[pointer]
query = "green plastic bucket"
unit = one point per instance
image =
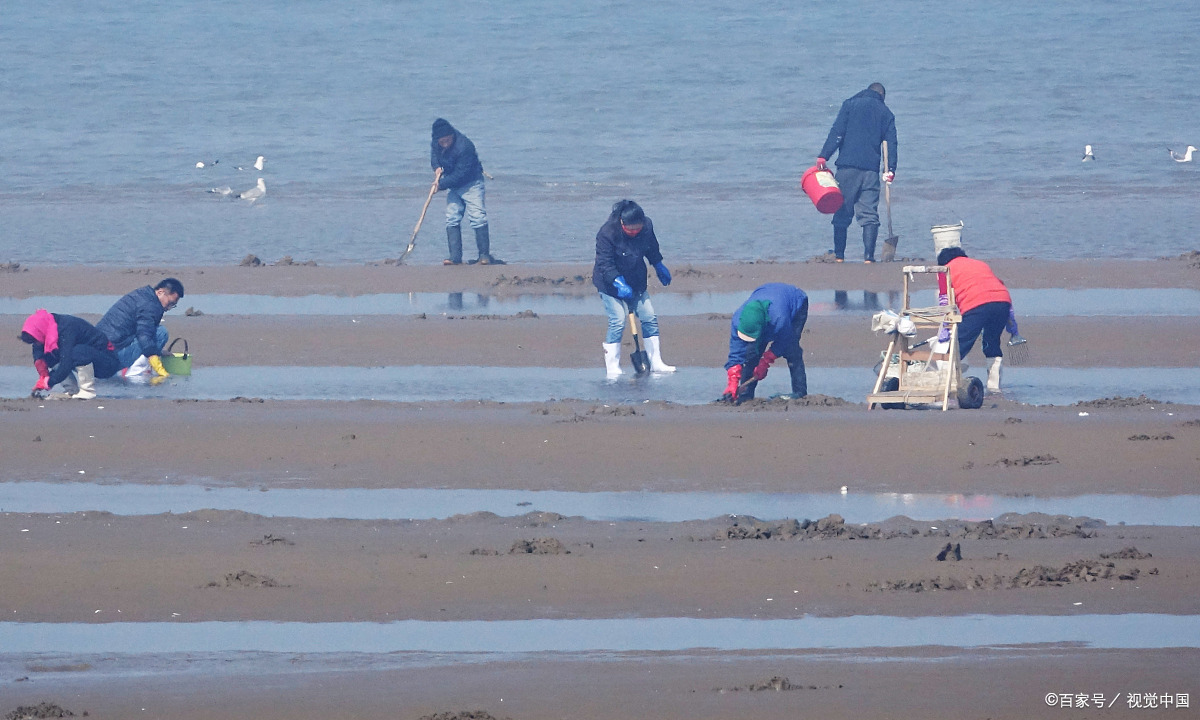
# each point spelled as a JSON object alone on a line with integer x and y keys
{"x": 177, "y": 363}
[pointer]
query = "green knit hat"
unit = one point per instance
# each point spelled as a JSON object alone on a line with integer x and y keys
{"x": 752, "y": 320}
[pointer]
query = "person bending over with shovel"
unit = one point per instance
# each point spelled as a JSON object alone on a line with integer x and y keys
{"x": 624, "y": 244}
{"x": 452, "y": 155}
{"x": 766, "y": 327}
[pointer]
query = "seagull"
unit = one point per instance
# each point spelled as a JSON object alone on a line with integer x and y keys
{"x": 224, "y": 191}
{"x": 255, "y": 192}
{"x": 258, "y": 164}
{"x": 1087, "y": 153}
{"x": 1186, "y": 157}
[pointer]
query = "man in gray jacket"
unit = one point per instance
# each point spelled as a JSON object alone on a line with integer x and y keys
{"x": 862, "y": 124}
{"x": 132, "y": 324}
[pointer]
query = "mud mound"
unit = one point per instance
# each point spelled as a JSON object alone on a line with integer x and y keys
{"x": 468, "y": 715}
{"x": 989, "y": 529}
{"x": 828, "y": 257}
{"x": 539, "y": 519}
{"x": 747, "y": 527}
{"x": 523, "y": 315}
{"x": 783, "y": 404}
{"x": 1129, "y": 553}
{"x": 1079, "y": 571}
{"x": 242, "y": 399}
{"x": 12, "y": 267}
{"x": 1025, "y": 461}
{"x": 251, "y": 261}
{"x": 287, "y": 260}
{"x": 1162, "y": 436}
{"x": 691, "y": 272}
{"x": 1118, "y": 402}
{"x": 246, "y": 579}
{"x": 539, "y": 546}
{"x": 41, "y": 710}
{"x": 540, "y": 281}
{"x": 272, "y": 540}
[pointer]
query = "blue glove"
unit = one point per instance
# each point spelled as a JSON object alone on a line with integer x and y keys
{"x": 664, "y": 275}
{"x": 623, "y": 290}
{"x": 944, "y": 333}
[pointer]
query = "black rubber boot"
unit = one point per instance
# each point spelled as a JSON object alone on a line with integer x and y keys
{"x": 454, "y": 241}
{"x": 483, "y": 242}
{"x": 839, "y": 243}
{"x": 870, "y": 233}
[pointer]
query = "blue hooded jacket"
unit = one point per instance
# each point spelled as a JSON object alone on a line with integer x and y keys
{"x": 134, "y": 318}
{"x": 861, "y": 125}
{"x": 459, "y": 163}
{"x": 786, "y": 316}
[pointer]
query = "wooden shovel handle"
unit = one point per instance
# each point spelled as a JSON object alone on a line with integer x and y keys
{"x": 412, "y": 241}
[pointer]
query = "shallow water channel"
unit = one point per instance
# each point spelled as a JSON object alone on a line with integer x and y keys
{"x": 1028, "y": 303}
{"x": 423, "y": 503}
{"x": 604, "y": 635}
{"x": 688, "y": 386}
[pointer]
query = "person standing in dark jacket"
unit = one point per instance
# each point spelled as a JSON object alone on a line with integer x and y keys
{"x": 861, "y": 126}
{"x": 766, "y": 327}
{"x": 458, "y": 171}
{"x": 63, "y": 344}
{"x": 624, "y": 244}
{"x": 132, "y": 324}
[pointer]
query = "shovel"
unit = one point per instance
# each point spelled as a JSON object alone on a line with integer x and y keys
{"x": 888, "y": 254}
{"x": 641, "y": 361}
{"x": 412, "y": 241}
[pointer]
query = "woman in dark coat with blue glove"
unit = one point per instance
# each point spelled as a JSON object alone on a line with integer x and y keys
{"x": 624, "y": 244}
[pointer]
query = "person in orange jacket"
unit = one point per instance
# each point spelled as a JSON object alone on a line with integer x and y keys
{"x": 985, "y": 305}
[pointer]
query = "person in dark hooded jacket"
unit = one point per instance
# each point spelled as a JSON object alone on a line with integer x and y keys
{"x": 624, "y": 244}
{"x": 861, "y": 126}
{"x": 458, "y": 171}
{"x": 64, "y": 345}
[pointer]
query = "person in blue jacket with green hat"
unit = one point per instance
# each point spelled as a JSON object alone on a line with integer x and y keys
{"x": 766, "y": 327}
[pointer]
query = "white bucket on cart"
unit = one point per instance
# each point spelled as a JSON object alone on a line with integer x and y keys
{"x": 947, "y": 236}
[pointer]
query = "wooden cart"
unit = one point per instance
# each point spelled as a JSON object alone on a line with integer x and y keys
{"x": 911, "y": 374}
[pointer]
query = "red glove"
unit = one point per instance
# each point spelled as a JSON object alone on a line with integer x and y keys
{"x": 821, "y": 163}
{"x": 735, "y": 379}
{"x": 43, "y": 372}
{"x": 760, "y": 371}
{"x": 888, "y": 177}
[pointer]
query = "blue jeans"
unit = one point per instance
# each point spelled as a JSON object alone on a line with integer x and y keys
{"x": 131, "y": 352}
{"x": 468, "y": 200}
{"x": 860, "y": 197}
{"x": 618, "y": 309}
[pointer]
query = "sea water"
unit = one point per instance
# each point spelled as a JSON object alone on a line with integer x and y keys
{"x": 705, "y": 112}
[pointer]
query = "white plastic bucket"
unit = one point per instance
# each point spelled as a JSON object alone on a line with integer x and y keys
{"x": 947, "y": 236}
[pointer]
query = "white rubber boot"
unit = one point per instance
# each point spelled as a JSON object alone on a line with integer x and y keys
{"x": 86, "y": 377}
{"x": 612, "y": 359}
{"x": 655, "y": 352}
{"x": 993, "y": 369}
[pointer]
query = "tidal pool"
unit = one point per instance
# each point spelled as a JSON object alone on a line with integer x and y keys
{"x": 688, "y": 386}
{"x": 422, "y": 503}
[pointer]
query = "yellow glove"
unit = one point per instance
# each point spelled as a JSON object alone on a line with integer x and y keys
{"x": 156, "y": 364}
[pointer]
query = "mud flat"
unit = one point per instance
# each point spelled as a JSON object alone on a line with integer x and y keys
{"x": 532, "y": 564}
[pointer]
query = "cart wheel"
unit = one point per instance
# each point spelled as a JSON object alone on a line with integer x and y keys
{"x": 891, "y": 385}
{"x": 970, "y": 396}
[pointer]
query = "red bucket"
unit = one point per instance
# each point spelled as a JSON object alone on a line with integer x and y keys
{"x": 821, "y": 187}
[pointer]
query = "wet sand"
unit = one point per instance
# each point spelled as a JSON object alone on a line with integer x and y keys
{"x": 100, "y": 568}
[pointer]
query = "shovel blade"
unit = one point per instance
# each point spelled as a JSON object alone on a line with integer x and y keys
{"x": 889, "y": 248}
{"x": 641, "y": 362}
